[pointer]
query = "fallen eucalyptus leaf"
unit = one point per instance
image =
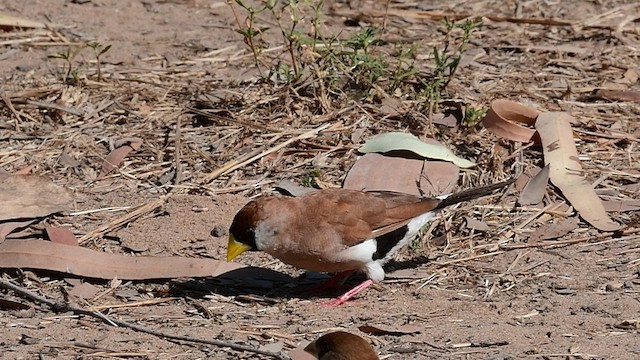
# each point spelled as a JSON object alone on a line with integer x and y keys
{"x": 554, "y": 230}
{"x": 502, "y": 119}
{"x": 31, "y": 196}
{"x": 8, "y": 22}
{"x": 560, "y": 153}
{"x": 7, "y": 227}
{"x": 535, "y": 189}
{"x": 287, "y": 187}
{"x": 84, "y": 290}
{"x": 115, "y": 157}
{"x": 61, "y": 235}
{"x": 299, "y": 353}
{"x": 622, "y": 205}
{"x": 475, "y": 224}
{"x": 397, "y": 141}
{"x": 79, "y": 261}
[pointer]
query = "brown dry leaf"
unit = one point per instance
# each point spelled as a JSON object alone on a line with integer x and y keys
{"x": 8, "y": 22}
{"x": 61, "y": 235}
{"x": 410, "y": 176}
{"x": 475, "y": 224}
{"x": 566, "y": 172}
{"x": 619, "y": 95}
{"x": 124, "y": 147}
{"x": 438, "y": 177}
{"x": 287, "y": 187}
{"x": 357, "y": 134}
{"x": 535, "y": 189}
{"x": 31, "y": 196}
{"x": 299, "y": 354}
{"x": 622, "y": 205}
{"x": 502, "y": 117}
{"x": 448, "y": 120}
{"x": 7, "y": 227}
{"x": 84, "y": 291}
{"x": 380, "y": 329}
{"x": 630, "y": 76}
{"x": 273, "y": 347}
{"x": 79, "y": 261}
{"x": 391, "y": 106}
{"x": 25, "y": 170}
{"x": 524, "y": 178}
{"x": 554, "y": 230}
{"x": 631, "y": 188}
{"x": 373, "y": 172}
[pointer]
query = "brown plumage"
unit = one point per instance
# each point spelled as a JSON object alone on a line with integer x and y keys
{"x": 341, "y": 345}
{"x": 337, "y": 230}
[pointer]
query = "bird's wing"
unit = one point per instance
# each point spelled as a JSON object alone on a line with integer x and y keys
{"x": 357, "y": 216}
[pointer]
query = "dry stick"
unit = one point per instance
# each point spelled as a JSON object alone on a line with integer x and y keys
{"x": 64, "y": 307}
{"x": 7, "y": 101}
{"x": 386, "y": 15}
{"x": 563, "y": 243}
{"x": 100, "y": 231}
{"x": 52, "y": 106}
{"x": 257, "y": 154}
{"x": 470, "y": 258}
{"x": 455, "y": 17}
{"x": 177, "y": 144}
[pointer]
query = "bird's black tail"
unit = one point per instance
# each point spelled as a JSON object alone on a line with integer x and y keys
{"x": 471, "y": 194}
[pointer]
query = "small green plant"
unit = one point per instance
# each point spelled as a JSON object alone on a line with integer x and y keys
{"x": 250, "y": 31}
{"x": 309, "y": 180}
{"x": 472, "y": 115}
{"x": 71, "y": 72}
{"x": 98, "y": 50}
{"x": 306, "y": 61}
{"x": 406, "y": 70}
{"x": 447, "y": 61}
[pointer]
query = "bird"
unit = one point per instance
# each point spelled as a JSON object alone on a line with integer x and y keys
{"x": 339, "y": 230}
{"x": 341, "y": 345}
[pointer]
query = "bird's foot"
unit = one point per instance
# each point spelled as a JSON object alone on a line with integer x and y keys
{"x": 330, "y": 284}
{"x": 348, "y": 295}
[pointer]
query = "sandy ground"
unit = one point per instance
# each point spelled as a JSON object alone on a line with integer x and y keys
{"x": 574, "y": 302}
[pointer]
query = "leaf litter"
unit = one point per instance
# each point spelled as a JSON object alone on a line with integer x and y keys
{"x": 258, "y": 129}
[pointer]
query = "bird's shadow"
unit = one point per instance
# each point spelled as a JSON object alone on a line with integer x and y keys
{"x": 257, "y": 284}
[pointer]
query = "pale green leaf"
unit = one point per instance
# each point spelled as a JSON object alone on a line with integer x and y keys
{"x": 397, "y": 141}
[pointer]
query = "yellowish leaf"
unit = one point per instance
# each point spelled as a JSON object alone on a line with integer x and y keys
{"x": 566, "y": 172}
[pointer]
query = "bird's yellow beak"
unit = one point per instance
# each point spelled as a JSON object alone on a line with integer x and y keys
{"x": 235, "y": 248}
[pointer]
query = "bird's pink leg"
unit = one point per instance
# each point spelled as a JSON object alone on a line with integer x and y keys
{"x": 331, "y": 283}
{"x": 349, "y": 294}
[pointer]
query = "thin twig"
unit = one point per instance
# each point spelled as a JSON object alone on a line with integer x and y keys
{"x": 259, "y": 153}
{"x": 53, "y": 106}
{"x": 100, "y": 231}
{"x": 65, "y": 307}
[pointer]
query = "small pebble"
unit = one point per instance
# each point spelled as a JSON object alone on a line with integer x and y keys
{"x": 218, "y": 231}
{"x": 614, "y": 285}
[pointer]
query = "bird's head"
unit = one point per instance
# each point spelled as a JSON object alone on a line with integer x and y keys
{"x": 242, "y": 236}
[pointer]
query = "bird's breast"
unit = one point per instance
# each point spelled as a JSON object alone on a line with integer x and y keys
{"x": 316, "y": 261}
